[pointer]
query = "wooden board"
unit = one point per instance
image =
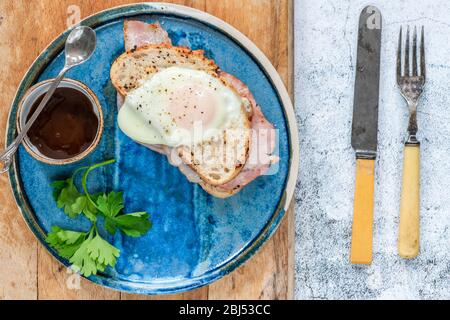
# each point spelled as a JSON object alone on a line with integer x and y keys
{"x": 27, "y": 270}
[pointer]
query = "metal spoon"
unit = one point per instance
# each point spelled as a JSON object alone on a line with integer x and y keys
{"x": 80, "y": 45}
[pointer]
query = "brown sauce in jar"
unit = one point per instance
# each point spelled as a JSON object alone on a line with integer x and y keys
{"x": 66, "y": 127}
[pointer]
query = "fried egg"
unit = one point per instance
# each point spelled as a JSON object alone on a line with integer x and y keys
{"x": 180, "y": 106}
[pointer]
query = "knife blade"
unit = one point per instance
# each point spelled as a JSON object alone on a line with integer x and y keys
{"x": 364, "y": 131}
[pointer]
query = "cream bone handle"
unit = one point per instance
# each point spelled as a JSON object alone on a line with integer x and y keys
{"x": 409, "y": 227}
{"x": 361, "y": 247}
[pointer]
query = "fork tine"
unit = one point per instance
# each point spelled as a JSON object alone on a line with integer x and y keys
{"x": 406, "y": 66}
{"x": 399, "y": 55}
{"x": 414, "y": 53}
{"x": 422, "y": 54}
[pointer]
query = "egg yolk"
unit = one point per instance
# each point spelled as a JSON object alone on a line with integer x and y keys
{"x": 192, "y": 104}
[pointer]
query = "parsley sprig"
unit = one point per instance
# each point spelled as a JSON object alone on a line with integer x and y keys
{"x": 88, "y": 252}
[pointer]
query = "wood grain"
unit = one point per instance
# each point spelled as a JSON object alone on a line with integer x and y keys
{"x": 28, "y": 271}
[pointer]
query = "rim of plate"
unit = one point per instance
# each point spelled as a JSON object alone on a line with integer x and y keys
{"x": 136, "y": 9}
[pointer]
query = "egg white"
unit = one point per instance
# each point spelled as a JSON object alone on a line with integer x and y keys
{"x": 179, "y": 106}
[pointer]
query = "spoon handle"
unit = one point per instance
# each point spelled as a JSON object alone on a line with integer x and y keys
{"x": 6, "y": 156}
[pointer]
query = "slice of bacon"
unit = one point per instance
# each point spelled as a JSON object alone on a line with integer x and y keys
{"x": 263, "y": 140}
{"x": 138, "y": 34}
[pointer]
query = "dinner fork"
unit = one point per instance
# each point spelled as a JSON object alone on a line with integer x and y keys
{"x": 411, "y": 84}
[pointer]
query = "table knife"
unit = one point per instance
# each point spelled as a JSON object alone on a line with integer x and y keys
{"x": 364, "y": 132}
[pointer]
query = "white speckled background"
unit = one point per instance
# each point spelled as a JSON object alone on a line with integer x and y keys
{"x": 325, "y": 57}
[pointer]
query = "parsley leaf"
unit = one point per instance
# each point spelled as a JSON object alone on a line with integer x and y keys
{"x": 132, "y": 224}
{"x": 57, "y": 186}
{"x": 67, "y": 196}
{"x": 101, "y": 251}
{"x": 110, "y": 204}
{"x": 82, "y": 262}
{"x": 110, "y": 225}
{"x": 82, "y": 204}
{"x": 65, "y": 242}
{"x": 94, "y": 255}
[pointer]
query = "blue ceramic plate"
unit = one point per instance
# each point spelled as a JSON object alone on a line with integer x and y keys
{"x": 195, "y": 238}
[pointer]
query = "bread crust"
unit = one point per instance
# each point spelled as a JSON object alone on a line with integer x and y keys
{"x": 218, "y": 192}
{"x": 141, "y": 63}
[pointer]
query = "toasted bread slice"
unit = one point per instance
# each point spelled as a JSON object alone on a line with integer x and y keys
{"x": 135, "y": 65}
{"x": 217, "y": 161}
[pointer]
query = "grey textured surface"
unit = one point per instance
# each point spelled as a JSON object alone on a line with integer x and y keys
{"x": 325, "y": 57}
